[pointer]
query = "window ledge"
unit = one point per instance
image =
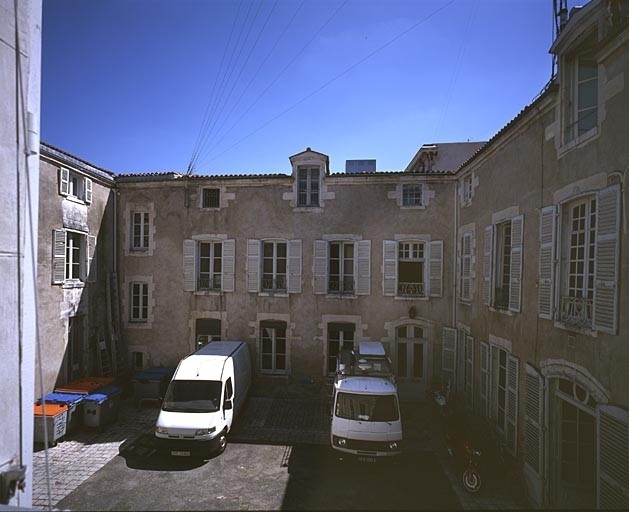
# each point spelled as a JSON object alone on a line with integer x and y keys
{"x": 576, "y": 329}
{"x": 578, "y": 141}
{"x": 415, "y": 207}
{"x": 506, "y": 312}
{"x": 75, "y": 199}
{"x": 208, "y": 292}
{"x": 283, "y": 374}
{"x": 408, "y": 297}
{"x": 138, "y": 325}
{"x": 340, "y": 296}
{"x": 273, "y": 294}
{"x": 464, "y": 302}
{"x": 308, "y": 209}
{"x": 139, "y": 252}
{"x": 210, "y": 208}
{"x": 72, "y": 283}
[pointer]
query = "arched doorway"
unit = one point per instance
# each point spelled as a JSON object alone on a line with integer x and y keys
{"x": 572, "y": 445}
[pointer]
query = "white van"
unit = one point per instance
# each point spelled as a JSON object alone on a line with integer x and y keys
{"x": 366, "y": 418}
{"x": 205, "y": 395}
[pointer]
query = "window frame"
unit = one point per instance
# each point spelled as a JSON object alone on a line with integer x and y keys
{"x": 212, "y": 259}
{"x": 410, "y": 198}
{"x": 341, "y": 328}
{"x": 209, "y": 190}
{"x": 75, "y": 186}
{"x": 423, "y": 261}
{"x": 144, "y": 235}
{"x": 143, "y": 302}
{"x": 343, "y": 276}
{"x": 274, "y": 258}
{"x": 312, "y": 193}
{"x": 271, "y": 327}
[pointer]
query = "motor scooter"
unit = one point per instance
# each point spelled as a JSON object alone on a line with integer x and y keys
{"x": 461, "y": 438}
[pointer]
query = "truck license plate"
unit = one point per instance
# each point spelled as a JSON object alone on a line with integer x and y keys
{"x": 175, "y": 453}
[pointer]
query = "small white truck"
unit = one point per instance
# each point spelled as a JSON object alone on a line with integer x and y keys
{"x": 205, "y": 395}
{"x": 366, "y": 418}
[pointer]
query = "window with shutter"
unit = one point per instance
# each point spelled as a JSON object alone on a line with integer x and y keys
{"x": 274, "y": 265}
{"x": 513, "y": 365}
{"x": 229, "y": 265}
{"x": 411, "y": 268}
{"x": 253, "y": 265}
{"x": 466, "y": 266}
{"x": 320, "y": 266}
{"x": 389, "y": 267}
{"x": 91, "y": 258}
{"x": 294, "y": 266}
{"x": 469, "y": 372}
{"x": 488, "y": 244}
{"x": 515, "y": 270}
{"x": 341, "y": 267}
{"x": 534, "y": 412}
{"x": 363, "y": 271}
{"x": 58, "y": 256}
{"x": 189, "y": 265}
{"x": 273, "y": 349}
{"x": 435, "y": 285}
{"x": 484, "y": 378}
{"x": 547, "y": 229}
{"x": 613, "y": 458}
{"x": 64, "y": 181}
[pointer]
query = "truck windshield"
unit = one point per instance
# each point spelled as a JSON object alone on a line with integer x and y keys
{"x": 367, "y": 407}
{"x": 193, "y": 396}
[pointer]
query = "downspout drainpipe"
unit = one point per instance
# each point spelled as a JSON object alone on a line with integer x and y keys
{"x": 454, "y": 253}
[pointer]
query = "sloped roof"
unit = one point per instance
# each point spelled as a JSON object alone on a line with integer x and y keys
{"x": 445, "y": 157}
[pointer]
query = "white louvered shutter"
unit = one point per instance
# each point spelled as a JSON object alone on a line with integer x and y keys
{"x": 466, "y": 265}
{"x": 64, "y": 181}
{"x": 469, "y": 371}
{"x": 435, "y": 271}
{"x": 534, "y": 419}
{"x": 448, "y": 356}
{"x": 515, "y": 273}
{"x": 253, "y": 265}
{"x": 513, "y": 367}
{"x": 58, "y": 256}
{"x": 363, "y": 274}
{"x": 229, "y": 265}
{"x": 294, "y": 266}
{"x": 613, "y": 458}
{"x": 546, "y": 278}
{"x": 460, "y": 361}
{"x": 606, "y": 260}
{"x": 189, "y": 265}
{"x": 320, "y": 271}
{"x": 484, "y": 377}
{"x": 88, "y": 190}
{"x": 389, "y": 267}
{"x": 91, "y": 260}
{"x": 488, "y": 244}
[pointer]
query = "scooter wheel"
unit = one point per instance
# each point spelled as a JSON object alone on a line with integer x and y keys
{"x": 471, "y": 481}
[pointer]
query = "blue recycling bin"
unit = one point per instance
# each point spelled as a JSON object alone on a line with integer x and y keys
{"x": 149, "y": 383}
{"x": 73, "y": 401}
{"x": 101, "y": 407}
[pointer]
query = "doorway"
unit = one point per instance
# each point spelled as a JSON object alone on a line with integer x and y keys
{"x": 411, "y": 362}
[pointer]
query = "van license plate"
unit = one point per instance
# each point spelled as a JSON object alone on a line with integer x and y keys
{"x": 362, "y": 458}
{"x": 180, "y": 454}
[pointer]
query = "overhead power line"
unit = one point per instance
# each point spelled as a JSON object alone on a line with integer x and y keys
{"x": 334, "y": 79}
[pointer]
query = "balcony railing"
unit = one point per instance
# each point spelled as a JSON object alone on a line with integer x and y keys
{"x": 341, "y": 286}
{"x": 274, "y": 285}
{"x": 576, "y": 311}
{"x": 501, "y": 297}
{"x": 209, "y": 283}
{"x": 410, "y": 289}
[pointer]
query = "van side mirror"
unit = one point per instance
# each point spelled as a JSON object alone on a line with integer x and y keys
{"x": 227, "y": 405}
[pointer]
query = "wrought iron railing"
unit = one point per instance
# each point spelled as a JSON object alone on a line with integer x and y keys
{"x": 344, "y": 285}
{"x": 209, "y": 283}
{"x": 277, "y": 284}
{"x": 576, "y": 311}
{"x": 411, "y": 289}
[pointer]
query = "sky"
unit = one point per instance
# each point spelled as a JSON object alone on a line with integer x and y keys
{"x": 238, "y": 86}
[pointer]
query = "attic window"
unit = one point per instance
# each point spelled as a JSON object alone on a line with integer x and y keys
{"x": 211, "y": 198}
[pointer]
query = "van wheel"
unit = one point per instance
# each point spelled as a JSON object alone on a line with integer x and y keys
{"x": 222, "y": 442}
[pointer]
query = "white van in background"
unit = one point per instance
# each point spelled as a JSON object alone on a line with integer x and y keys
{"x": 366, "y": 418}
{"x": 205, "y": 395}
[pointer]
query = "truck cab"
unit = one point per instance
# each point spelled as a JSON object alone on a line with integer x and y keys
{"x": 366, "y": 419}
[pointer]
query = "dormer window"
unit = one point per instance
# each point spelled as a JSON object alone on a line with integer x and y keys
{"x": 581, "y": 96}
{"x": 75, "y": 186}
{"x": 308, "y": 186}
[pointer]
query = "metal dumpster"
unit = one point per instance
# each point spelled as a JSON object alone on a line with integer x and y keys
{"x": 55, "y": 418}
{"x": 73, "y": 401}
{"x": 101, "y": 407}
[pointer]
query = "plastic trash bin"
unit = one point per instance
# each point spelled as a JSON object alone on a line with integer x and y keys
{"x": 85, "y": 386}
{"x": 55, "y": 418}
{"x": 148, "y": 384}
{"x": 73, "y": 401}
{"x": 101, "y": 407}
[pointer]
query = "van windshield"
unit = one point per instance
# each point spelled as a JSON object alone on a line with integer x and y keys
{"x": 193, "y": 396}
{"x": 367, "y": 407}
